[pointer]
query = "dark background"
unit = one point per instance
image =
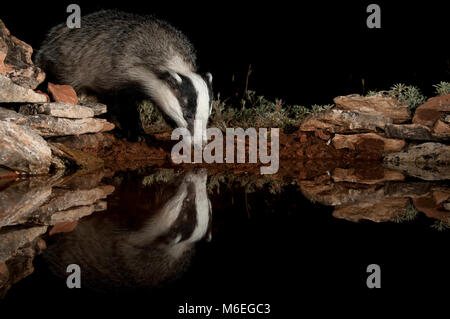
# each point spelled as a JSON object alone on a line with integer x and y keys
{"x": 303, "y": 53}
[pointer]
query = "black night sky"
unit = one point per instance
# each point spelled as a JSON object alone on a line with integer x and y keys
{"x": 299, "y": 52}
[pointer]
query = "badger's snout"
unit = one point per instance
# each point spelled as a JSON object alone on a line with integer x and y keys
{"x": 190, "y": 106}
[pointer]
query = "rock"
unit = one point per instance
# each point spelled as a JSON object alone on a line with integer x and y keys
{"x": 12, "y": 240}
{"x": 48, "y": 126}
{"x": 432, "y": 110}
{"x": 23, "y": 150}
{"x": 20, "y": 200}
{"x": 379, "y": 105}
{"x": 426, "y": 154}
{"x": 446, "y": 206}
{"x": 11, "y": 92}
{"x": 414, "y": 132}
{"x": 376, "y": 211}
{"x": 62, "y": 93}
{"x": 323, "y": 135}
{"x": 45, "y": 94}
{"x": 94, "y": 142}
{"x": 341, "y": 121}
{"x": 11, "y": 116}
{"x": 75, "y": 158}
{"x": 358, "y": 141}
{"x": 441, "y": 130}
{"x": 16, "y": 63}
{"x": 446, "y": 119}
{"x": 429, "y": 161}
{"x": 58, "y": 109}
{"x": 98, "y": 108}
{"x": 353, "y": 175}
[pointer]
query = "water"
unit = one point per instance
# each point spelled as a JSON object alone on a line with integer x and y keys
{"x": 169, "y": 237}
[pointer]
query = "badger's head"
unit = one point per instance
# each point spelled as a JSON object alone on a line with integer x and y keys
{"x": 192, "y": 102}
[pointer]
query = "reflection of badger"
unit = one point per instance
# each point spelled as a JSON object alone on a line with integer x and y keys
{"x": 121, "y": 57}
{"x": 143, "y": 241}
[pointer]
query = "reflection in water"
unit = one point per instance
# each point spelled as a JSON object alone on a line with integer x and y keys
{"x": 147, "y": 228}
{"x": 29, "y": 207}
{"x": 146, "y": 238}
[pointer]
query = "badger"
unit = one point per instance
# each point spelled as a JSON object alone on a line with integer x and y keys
{"x": 122, "y": 58}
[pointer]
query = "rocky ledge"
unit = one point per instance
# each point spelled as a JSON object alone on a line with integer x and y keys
{"x": 384, "y": 128}
{"x": 29, "y": 118}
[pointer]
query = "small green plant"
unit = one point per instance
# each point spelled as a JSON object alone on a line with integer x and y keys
{"x": 440, "y": 225}
{"x": 410, "y": 214}
{"x": 163, "y": 175}
{"x": 257, "y": 111}
{"x": 406, "y": 93}
{"x": 151, "y": 118}
{"x": 442, "y": 88}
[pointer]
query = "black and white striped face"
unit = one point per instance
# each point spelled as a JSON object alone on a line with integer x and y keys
{"x": 194, "y": 96}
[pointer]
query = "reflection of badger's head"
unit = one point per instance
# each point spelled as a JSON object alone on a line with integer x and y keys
{"x": 192, "y": 102}
{"x": 142, "y": 241}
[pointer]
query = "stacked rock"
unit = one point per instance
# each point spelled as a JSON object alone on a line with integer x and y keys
{"x": 383, "y": 128}
{"x": 28, "y": 119}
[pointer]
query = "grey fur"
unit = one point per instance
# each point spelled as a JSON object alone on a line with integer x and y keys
{"x": 113, "y": 51}
{"x": 108, "y": 44}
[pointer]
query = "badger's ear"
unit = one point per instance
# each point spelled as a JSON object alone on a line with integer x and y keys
{"x": 209, "y": 77}
{"x": 171, "y": 77}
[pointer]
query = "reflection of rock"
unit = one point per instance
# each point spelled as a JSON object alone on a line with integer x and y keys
{"x": 20, "y": 200}
{"x": 366, "y": 175}
{"x": 11, "y": 240}
{"x": 433, "y": 205}
{"x": 58, "y": 109}
{"x": 327, "y": 192}
{"x": 50, "y": 200}
{"x": 69, "y": 205}
{"x": 11, "y": 92}
{"x": 375, "y": 105}
{"x": 340, "y": 121}
{"x": 15, "y": 61}
{"x": 368, "y": 142}
{"x": 429, "y": 161}
{"x": 23, "y": 150}
{"x": 374, "y": 210}
{"x": 20, "y": 264}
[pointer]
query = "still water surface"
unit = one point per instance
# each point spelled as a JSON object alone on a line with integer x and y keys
{"x": 167, "y": 238}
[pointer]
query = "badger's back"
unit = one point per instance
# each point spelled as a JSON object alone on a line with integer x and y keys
{"x": 110, "y": 50}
